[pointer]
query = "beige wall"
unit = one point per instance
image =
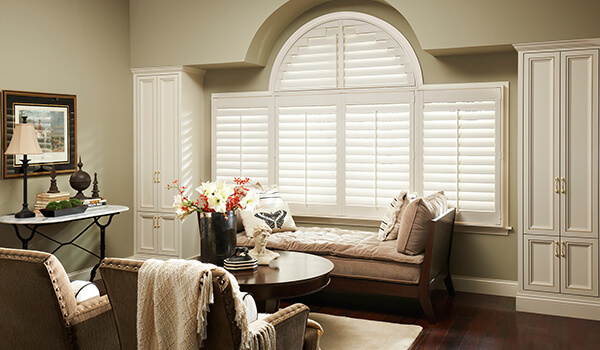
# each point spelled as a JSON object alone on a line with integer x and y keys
{"x": 236, "y": 32}
{"x": 77, "y": 47}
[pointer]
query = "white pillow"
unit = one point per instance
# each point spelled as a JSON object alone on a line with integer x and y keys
{"x": 84, "y": 290}
{"x": 271, "y": 211}
{"x": 251, "y": 310}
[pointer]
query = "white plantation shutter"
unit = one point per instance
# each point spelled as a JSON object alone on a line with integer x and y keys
{"x": 241, "y": 134}
{"x": 373, "y": 58}
{"x": 307, "y": 152}
{"x": 312, "y": 61}
{"x": 462, "y": 151}
{"x": 377, "y": 150}
{"x": 347, "y": 124}
{"x": 344, "y": 53}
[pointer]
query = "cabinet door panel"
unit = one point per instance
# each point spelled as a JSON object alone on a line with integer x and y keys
{"x": 146, "y": 233}
{"x": 168, "y": 235}
{"x": 579, "y": 107}
{"x": 145, "y": 146}
{"x": 168, "y": 136}
{"x": 580, "y": 267}
{"x": 541, "y": 264}
{"x": 541, "y": 130}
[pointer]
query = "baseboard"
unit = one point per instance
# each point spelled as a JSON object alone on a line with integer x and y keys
{"x": 488, "y": 286}
{"x": 546, "y": 305}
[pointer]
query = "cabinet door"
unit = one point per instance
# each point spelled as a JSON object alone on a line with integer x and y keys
{"x": 168, "y": 137}
{"x": 579, "y": 270}
{"x": 168, "y": 235}
{"x": 541, "y": 145}
{"x": 579, "y": 125}
{"x": 541, "y": 265}
{"x": 146, "y": 233}
{"x": 145, "y": 146}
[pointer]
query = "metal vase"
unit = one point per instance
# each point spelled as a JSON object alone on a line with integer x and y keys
{"x": 218, "y": 239}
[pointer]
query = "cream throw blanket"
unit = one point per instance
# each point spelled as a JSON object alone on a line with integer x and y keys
{"x": 173, "y": 302}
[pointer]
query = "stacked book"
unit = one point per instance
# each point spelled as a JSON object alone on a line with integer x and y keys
{"x": 94, "y": 202}
{"x": 43, "y": 199}
{"x": 241, "y": 262}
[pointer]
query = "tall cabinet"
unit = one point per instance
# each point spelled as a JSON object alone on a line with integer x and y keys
{"x": 167, "y": 131}
{"x": 558, "y": 178}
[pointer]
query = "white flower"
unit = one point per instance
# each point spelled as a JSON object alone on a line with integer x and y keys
{"x": 224, "y": 190}
{"x": 177, "y": 201}
{"x": 217, "y": 203}
{"x": 250, "y": 200}
{"x": 181, "y": 214}
{"x": 207, "y": 188}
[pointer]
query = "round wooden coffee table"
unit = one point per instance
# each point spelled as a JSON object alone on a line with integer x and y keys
{"x": 293, "y": 274}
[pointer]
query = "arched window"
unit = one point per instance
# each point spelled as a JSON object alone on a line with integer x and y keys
{"x": 347, "y": 123}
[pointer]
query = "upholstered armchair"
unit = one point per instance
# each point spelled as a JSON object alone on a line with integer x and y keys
{"x": 120, "y": 278}
{"x": 39, "y": 311}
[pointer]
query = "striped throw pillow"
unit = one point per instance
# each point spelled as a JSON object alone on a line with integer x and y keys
{"x": 390, "y": 223}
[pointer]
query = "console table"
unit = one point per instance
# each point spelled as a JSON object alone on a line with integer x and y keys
{"x": 94, "y": 213}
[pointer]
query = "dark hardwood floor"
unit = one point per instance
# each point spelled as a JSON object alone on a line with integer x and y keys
{"x": 465, "y": 321}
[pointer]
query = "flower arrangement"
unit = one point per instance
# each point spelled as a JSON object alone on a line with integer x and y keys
{"x": 215, "y": 197}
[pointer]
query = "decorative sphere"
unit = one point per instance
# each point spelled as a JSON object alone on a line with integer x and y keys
{"x": 80, "y": 180}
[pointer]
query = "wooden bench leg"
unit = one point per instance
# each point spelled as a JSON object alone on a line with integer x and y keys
{"x": 425, "y": 301}
{"x": 449, "y": 285}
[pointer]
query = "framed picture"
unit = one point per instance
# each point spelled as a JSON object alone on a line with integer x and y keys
{"x": 54, "y": 118}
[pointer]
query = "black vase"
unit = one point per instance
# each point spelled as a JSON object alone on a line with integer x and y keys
{"x": 218, "y": 239}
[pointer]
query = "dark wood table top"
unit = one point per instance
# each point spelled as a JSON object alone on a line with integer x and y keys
{"x": 292, "y": 274}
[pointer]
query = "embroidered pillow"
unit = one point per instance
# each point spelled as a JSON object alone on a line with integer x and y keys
{"x": 414, "y": 228}
{"x": 272, "y": 211}
{"x": 388, "y": 230}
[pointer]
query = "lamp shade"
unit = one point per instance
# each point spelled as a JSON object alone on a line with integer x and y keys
{"x": 24, "y": 140}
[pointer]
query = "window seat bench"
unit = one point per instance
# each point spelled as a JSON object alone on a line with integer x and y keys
{"x": 365, "y": 264}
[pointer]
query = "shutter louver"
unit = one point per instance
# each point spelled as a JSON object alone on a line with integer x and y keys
{"x": 460, "y": 156}
{"x": 242, "y": 140}
{"x": 312, "y": 61}
{"x": 377, "y": 148}
{"x": 307, "y": 161}
{"x": 373, "y": 58}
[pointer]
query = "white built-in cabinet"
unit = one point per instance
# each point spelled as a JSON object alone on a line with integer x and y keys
{"x": 167, "y": 129}
{"x": 558, "y": 178}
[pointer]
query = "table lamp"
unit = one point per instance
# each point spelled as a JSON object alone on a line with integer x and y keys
{"x": 24, "y": 141}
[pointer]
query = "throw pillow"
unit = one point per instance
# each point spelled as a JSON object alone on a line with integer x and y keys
{"x": 389, "y": 228}
{"x": 414, "y": 228}
{"x": 272, "y": 211}
{"x": 84, "y": 290}
{"x": 437, "y": 203}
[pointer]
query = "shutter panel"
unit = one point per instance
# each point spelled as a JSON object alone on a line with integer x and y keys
{"x": 241, "y": 138}
{"x": 373, "y": 58}
{"x": 307, "y": 160}
{"x": 461, "y": 147}
{"x": 377, "y": 146}
{"x": 312, "y": 61}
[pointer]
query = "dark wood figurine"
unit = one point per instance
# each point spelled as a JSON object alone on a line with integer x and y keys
{"x": 95, "y": 191}
{"x": 53, "y": 187}
{"x": 80, "y": 180}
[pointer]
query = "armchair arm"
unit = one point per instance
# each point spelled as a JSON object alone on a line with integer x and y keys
{"x": 290, "y": 325}
{"x": 93, "y": 325}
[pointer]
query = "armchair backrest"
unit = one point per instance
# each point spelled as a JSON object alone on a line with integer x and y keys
{"x": 35, "y": 301}
{"x": 120, "y": 279}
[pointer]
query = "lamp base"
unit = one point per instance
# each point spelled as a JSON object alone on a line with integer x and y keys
{"x": 25, "y": 213}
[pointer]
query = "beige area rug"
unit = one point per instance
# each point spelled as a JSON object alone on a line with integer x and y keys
{"x": 342, "y": 333}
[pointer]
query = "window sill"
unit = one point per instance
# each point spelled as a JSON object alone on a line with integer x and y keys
{"x": 458, "y": 227}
